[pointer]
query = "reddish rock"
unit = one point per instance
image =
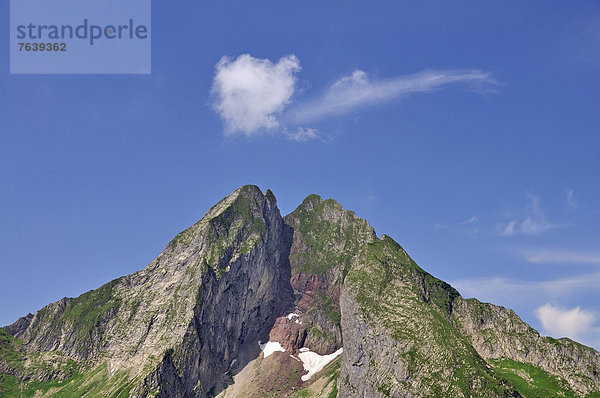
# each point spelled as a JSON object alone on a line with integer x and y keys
{"x": 289, "y": 333}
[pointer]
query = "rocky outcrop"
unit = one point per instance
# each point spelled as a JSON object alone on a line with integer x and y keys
{"x": 218, "y": 285}
{"x": 398, "y": 340}
{"x": 326, "y": 242}
{"x": 497, "y": 333}
{"x": 235, "y": 307}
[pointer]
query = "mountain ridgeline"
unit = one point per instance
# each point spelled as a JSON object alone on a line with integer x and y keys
{"x": 247, "y": 303}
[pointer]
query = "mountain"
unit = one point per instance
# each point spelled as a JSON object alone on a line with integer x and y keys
{"x": 247, "y": 303}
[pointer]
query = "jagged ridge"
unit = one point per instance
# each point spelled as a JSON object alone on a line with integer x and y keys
{"x": 175, "y": 327}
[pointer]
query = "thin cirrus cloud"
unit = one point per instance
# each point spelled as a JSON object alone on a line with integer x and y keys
{"x": 254, "y": 96}
{"x": 533, "y": 222}
{"x": 554, "y": 256}
{"x": 508, "y": 291}
{"x": 571, "y": 199}
{"x": 470, "y": 220}
{"x": 358, "y": 90}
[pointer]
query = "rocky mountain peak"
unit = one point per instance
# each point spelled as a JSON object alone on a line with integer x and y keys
{"x": 332, "y": 307}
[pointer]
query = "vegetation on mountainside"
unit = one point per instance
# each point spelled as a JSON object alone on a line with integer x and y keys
{"x": 89, "y": 382}
{"x": 82, "y": 315}
{"x": 392, "y": 291}
{"x": 11, "y": 351}
{"x": 232, "y": 232}
{"x": 411, "y": 317}
{"x": 532, "y": 381}
{"x": 332, "y": 235}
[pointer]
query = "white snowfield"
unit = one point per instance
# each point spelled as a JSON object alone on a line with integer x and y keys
{"x": 291, "y": 315}
{"x": 314, "y": 362}
{"x": 270, "y": 347}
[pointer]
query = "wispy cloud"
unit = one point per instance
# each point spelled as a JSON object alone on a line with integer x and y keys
{"x": 303, "y": 134}
{"x": 465, "y": 227}
{"x": 469, "y": 226}
{"x": 534, "y": 221}
{"x": 470, "y": 220}
{"x": 358, "y": 90}
{"x": 554, "y": 256}
{"x": 509, "y": 229}
{"x": 254, "y": 96}
{"x": 571, "y": 199}
{"x": 574, "y": 323}
{"x": 511, "y": 291}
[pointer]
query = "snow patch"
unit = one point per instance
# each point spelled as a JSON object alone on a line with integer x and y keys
{"x": 230, "y": 365}
{"x": 314, "y": 363}
{"x": 291, "y": 315}
{"x": 270, "y": 347}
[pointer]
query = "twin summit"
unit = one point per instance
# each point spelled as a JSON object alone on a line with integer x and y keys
{"x": 85, "y": 31}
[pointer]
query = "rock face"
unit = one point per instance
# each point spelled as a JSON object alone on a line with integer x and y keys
{"x": 178, "y": 324}
{"x": 398, "y": 338}
{"x": 326, "y": 242}
{"x": 189, "y": 324}
{"x": 237, "y": 304}
{"x": 498, "y": 333}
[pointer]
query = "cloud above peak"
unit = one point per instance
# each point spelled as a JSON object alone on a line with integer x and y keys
{"x": 254, "y": 96}
{"x": 250, "y": 92}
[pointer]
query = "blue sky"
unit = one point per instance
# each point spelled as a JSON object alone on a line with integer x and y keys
{"x": 466, "y": 131}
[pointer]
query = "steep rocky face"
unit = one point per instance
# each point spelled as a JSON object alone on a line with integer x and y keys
{"x": 237, "y": 304}
{"x": 407, "y": 333}
{"x": 498, "y": 333}
{"x": 326, "y": 242}
{"x": 217, "y": 286}
{"x": 304, "y": 286}
{"x": 398, "y": 340}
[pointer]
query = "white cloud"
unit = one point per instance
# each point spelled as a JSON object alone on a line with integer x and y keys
{"x": 571, "y": 199}
{"x": 469, "y": 226}
{"x": 465, "y": 227}
{"x": 253, "y": 96}
{"x": 303, "y": 134}
{"x": 357, "y": 90}
{"x": 574, "y": 323}
{"x": 536, "y": 221}
{"x": 471, "y": 220}
{"x": 516, "y": 292}
{"x": 533, "y": 223}
{"x": 509, "y": 228}
{"x": 553, "y": 256}
{"x": 251, "y": 92}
